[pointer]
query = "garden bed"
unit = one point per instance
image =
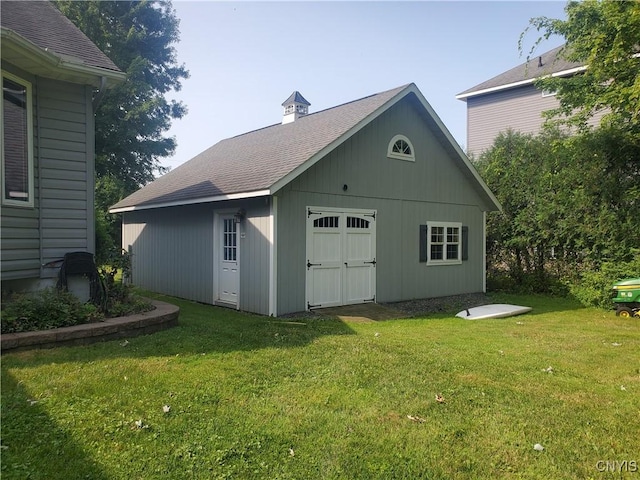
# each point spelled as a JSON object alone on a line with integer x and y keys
{"x": 163, "y": 316}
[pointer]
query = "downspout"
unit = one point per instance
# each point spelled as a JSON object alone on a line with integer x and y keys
{"x": 98, "y": 98}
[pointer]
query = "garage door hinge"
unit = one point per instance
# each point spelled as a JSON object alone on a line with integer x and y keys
{"x": 370, "y": 215}
{"x": 309, "y": 306}
{"x": 309, "y": 213}
{"x": 373, "y": 262}
{"x": 309, "y": 264}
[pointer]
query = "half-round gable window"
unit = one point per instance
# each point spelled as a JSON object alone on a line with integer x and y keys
{"x": 401, "y": 148}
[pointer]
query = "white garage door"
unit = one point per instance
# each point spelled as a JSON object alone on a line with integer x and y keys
{"x": 341, "y": 257}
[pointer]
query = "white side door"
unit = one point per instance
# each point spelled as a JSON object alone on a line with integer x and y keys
{"x": 229, "y": 261}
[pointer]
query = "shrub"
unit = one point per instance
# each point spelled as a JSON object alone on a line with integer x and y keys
{"x": 593, "y": 287}
{"x": 121, "y": 300}
{"x": 46, "y": 309}
{"x": 53, "y": 308}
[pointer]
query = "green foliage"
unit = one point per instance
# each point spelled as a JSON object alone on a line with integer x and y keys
{"x": 593, "y": 287}
{"x": 603, "y": 35}
{"x": 121, "y": 300}
{"x": 53, "y": 308}
{"x": 46, "y": 309}
{"x": 132, "y": 118}
{"x": 109, "y": 190}
{"x": 140, "y": 38}
{"x": 569, "y": 204}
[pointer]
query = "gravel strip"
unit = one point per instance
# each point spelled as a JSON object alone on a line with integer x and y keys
{"x": 420, "y": 307}
{"x": 452, "y": 304}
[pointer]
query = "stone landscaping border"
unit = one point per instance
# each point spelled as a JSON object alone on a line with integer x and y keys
{"x": 162, "y": 317}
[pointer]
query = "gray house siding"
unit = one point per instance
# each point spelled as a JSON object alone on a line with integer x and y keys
{"x": 404, "y": 194}
{"x": 61, "y": 219}
{"x": 173, "y": 251}
{"x": 255, "y": 259}
{"x": 519, "y": 109}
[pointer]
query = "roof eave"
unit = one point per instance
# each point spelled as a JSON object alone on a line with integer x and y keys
{"x": 191, "y": 201}
{"x": 529, "y": 81}
{"x": 50, "y": 64}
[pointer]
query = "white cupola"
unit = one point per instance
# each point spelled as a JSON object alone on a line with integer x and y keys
{"x": 295, "y": 106}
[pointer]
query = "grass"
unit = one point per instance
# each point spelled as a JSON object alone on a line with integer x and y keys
{"x": 255, "y": 397}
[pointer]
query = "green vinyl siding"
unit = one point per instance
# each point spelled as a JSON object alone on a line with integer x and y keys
{"x": 20, "y": 234}
{"x": 67, "y": 151}
{"x": 62, "y": 217}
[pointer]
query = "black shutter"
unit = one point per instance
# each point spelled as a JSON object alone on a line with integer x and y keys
{"x": 423, "y": 243}
{"x": 465, "y": 243}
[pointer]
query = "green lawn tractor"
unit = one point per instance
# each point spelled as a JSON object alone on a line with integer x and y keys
{"x": 627, "y": 297}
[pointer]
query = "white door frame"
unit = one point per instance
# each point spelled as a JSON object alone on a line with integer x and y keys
{"x": 218, "y": 242}
{"x": 340, "y": 283}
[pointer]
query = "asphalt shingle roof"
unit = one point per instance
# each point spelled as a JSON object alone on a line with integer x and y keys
{"x": 538, "y": 66}
{"x": 256, "y": 160}
{"x": 42, "y": 24}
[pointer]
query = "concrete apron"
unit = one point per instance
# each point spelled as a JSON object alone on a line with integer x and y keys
{"x": 361, "y": 312}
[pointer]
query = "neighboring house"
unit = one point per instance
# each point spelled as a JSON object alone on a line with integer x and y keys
{"x": 372, "y": 200}
{"x": 51, "y": 76}
{"x": 511, "y": 100}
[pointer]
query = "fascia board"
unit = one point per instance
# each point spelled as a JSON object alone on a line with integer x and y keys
{"x": 57, "y": 62}
{"x": 193, "y": 201}
{"x": 461, "y": 155}
{"x": 484, "y": 91}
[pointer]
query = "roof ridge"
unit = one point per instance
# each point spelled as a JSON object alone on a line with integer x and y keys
{"x": 309, "y": 115}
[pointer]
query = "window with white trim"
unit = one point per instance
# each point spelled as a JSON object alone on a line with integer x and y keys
{"x": 444, "y": 243}
{"x": 16, "y": 125}
{"x": 400, "y": 148}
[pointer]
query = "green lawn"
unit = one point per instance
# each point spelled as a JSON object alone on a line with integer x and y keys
{"x": 254, "y": 397}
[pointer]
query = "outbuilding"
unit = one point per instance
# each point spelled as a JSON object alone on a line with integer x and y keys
{"x": 369, "y": 201}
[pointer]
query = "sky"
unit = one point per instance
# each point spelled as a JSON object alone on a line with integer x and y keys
{"x": 246, "y": 58}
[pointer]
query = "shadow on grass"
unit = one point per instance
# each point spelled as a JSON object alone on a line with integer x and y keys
{"x": 33, "y": 445}
{"x": 201, "y": 329}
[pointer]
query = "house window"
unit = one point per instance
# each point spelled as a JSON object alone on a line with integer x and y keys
{"x": 549, "y": 93}
{"x": 230, "y": 240}
{"x": 17, "y": 141}
{"x": 444, "y": 243}
{"x": 401, "y": 148}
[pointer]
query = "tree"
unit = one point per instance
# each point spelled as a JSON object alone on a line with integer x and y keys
{"x": 604, "y": 36}
{"x": 570, "y": 203}
{"x": 139, "y": 36}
